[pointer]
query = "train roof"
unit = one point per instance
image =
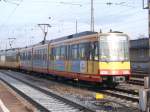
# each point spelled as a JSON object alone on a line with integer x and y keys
{"x": 11, "y": 49}
{"x": 74, "y": 36}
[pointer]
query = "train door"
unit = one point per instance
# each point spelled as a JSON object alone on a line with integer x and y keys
{"x": 51, "y": 58}
{"x": 96, "y": 58}
{"x": 74, "y": 58}
{"x": 82, "y": 56}
{"x": 93, "y": 58}
{"x": 90, "y": 52}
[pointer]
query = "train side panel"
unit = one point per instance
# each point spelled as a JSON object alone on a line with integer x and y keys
{"x": 74, "y": 59}
{"x": 40, "y": 58}
{"x": 10, "y": 59}
{"x": 26, "y": 59}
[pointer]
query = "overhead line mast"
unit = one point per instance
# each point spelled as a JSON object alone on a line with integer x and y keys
{"x": 92, "y": 16}
{"x": 44, "y": 28}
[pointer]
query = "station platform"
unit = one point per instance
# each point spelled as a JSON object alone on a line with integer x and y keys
{"x": 9, "y": 101}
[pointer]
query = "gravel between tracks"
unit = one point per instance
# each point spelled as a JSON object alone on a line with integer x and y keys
{"x": 78, "y": 94}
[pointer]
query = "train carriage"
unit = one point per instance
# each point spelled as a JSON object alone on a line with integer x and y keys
{"x": 75, "y": 56}
{"x": 87, "y": 56}
{"x": 10, "y": 58}
{"x": 40, "y": 58}
{"x": 2, "y": 58}
{"x": 26, "y": 58}
{"x": 91, "y": 56}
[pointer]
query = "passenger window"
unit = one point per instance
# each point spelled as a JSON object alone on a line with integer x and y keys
{"x": 82, "y": 51}
{"x": 92, "y": 51}
{"x": 57, "y": 53}
{"x": 63, "y": 52}
{"x": 52, "y": 53}
{"x": 75, "y": 52}
{"x": 96, "y": 52}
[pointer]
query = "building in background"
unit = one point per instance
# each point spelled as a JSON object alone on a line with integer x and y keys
{"x": 139, "y": 54}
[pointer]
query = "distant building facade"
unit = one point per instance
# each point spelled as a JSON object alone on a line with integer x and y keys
{"x": 139, "y": 54}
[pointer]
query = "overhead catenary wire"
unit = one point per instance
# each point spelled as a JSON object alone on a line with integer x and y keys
{"x": 11, "y": 14}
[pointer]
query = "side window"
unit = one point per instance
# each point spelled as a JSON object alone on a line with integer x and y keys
{"x": 43, "y": 54}
{"x": 92, "y": 51}
{"x": 63, "y": 52}
{"x": 75, "y": 52}
{"x": 96, "y": 52}
{"x": 82, "y": 51}
{"x": 88, "y": 53}
{"x": 52, "y": 54}
{"x": 36, "y": 54}
{"x": 57, "y": 56}
{"x": 34, "y": 57}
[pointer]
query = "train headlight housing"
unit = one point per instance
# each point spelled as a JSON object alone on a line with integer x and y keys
{"x": 126, "y": 72}
{"x": 104, "y": 72}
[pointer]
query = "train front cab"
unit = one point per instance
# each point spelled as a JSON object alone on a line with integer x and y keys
{"x": 114, "y": 62}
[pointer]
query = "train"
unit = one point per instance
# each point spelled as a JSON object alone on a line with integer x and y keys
{"x": 86, "y": 56}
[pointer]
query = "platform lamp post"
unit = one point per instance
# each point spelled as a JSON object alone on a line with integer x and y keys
{"x": 144, "y": 94}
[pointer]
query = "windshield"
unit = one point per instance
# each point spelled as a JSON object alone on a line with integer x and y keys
{"x": 114, "y": 48}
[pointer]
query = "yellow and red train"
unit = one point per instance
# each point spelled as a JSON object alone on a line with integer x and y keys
{"x": 88, "y": 56}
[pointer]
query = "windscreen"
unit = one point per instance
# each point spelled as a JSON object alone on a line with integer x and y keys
{"x": 114, "y": 48}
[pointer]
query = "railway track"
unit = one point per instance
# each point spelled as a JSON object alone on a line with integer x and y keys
{"x": 137, "y": 78}
{"x": 122, "y": 96}
{"x": 136, "y": 81}
{"x": 139, "y": 71}
{"x": 43, "y": 99}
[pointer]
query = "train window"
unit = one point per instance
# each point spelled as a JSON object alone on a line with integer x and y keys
{"x": 46, "y": 52}
{"x": 57, "y": 56}
{"x": 68, "y": 56}
{"x": 52, "y": 53}
{"x": 36, "y": 55}
{"x": 40, "y": 54}
{"x": 88, "y": 51}
{"x": 92, "y": 51}
{"x": 63, "y": 52}
{"x": 82, "y": 51}
{"x": 20, "y": 56}
{"x": 28, "y": 58}
{"x": 43, "y": 54}
{"x": 23, "y": 56}
{"x": 75, "y": 52}
{"x": 96, "y": 56}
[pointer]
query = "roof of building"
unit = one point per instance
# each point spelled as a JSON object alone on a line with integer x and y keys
{"x": 139, "y": 43}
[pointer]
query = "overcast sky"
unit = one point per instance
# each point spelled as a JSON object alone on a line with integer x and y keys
{"x": 20, "y": 21}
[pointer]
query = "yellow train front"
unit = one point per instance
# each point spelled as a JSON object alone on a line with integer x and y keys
{"x": 114, "y": 61}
